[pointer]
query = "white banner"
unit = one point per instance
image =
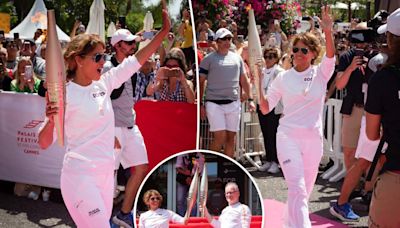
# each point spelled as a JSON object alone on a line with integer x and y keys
{"x": 21, "y": 159}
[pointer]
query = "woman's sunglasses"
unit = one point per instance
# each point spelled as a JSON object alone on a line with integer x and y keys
{"x": 303, "y": 50}
{"x": 155, "y": 199}
{"x": 97, "y": 57}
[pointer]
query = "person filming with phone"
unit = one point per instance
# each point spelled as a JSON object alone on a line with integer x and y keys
{"x": 25, "y": 79}
{"x": 170, "y": 81}
{"x": 38, "y": 64}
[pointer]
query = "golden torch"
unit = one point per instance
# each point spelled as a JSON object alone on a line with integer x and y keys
{"x": 192, "y": 195}
{"x": 203, "y": 190}
{"x": 55, "y": 74}
{"x": 255, "y": 51}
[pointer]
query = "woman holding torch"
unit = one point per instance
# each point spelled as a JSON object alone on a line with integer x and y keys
{"x": 87, "y": 176}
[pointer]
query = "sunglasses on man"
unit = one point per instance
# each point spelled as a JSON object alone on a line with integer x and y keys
{"x": 270, "y": 56}
{"x": 226, "y": 38}
{"x": 303, "y": 50}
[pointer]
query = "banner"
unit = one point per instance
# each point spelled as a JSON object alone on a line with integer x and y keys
{"x": 21, "y": 159}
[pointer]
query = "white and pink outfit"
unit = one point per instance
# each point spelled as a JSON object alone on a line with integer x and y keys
{"x": 87, "y": 176}
{"x": 299, "y": 136}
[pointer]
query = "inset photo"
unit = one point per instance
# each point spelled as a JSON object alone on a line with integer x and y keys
{"x": 199, "y": 189}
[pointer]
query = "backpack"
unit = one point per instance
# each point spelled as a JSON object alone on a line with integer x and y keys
{"x": 117, "y": 92}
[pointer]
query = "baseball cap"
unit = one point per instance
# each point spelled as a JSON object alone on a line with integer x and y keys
{"x": 221, "y": 33}
{"x": 392, "y": 25}
{"x": 122, "y": 34}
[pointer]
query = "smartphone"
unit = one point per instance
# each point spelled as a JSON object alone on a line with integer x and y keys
{"x": 210, "y": 38}
{"x": 16, "y": 36}
{"x": 122, "y": 21}
{"x": 28, "y": 72}
{"x": 148, "y": 35}
{"x": 240, "y": 38}
{"x": 173, "y": 73}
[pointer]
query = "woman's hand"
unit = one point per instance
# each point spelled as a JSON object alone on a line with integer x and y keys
{"x": 51, "y": 109}
{"x": 162, "y": 74}
{"x": 327, "y": 19}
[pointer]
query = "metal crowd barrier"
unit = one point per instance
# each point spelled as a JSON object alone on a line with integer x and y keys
{"x": 250, "y": 146}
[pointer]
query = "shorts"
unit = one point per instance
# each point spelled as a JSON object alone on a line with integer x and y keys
{"x": 88, "y": 197}
{"x": 384, "y": 208}
{"x": 351, "y": 127}
{"x": 224, "y": 116}
{"x": 133, "y": 151}
{"x": 366, "y": 148}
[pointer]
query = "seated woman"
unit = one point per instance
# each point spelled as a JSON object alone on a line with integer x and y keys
{"x": 25, "y": 81}
{"x": 170, "y": 81}
{"x": 156, "y": 216}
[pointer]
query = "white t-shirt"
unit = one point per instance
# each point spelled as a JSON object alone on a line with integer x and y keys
{"x": 89, "y": 121}
{"x": 268, "y": 76}
{"x": 302, "y": 95}
{"x": 233, "y": 216}
{"x": 159, "y": 218}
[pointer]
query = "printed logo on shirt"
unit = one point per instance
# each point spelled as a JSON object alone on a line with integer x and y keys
{"x": 93, "y": 212}
{"x": 98, "y": 94}
{"x": 307, "y": 79}
{"x": 77, "y": 204}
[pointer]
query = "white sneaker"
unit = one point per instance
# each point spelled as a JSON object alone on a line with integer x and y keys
{"x": 273, "y": 168}
{"x": 265, "y": 166}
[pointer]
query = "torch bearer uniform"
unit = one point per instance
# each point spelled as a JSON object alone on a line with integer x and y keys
{"x": 87, "y": 178}
{"x": 233, "y": 216}
{"x": 159, "y": 218}
{"x": 299, "y": 136}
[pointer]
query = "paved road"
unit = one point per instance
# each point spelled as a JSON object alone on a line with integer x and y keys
{"x": 274, "y": 187}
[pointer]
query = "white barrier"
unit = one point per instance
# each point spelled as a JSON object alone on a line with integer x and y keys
{"x": 21, "y": 159}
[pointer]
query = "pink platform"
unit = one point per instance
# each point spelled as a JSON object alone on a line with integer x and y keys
{"x": 273, "y": 216}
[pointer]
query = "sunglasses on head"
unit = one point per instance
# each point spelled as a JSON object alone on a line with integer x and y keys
{"x": 303, "y": 50}
{"x": 99, "y": 56}
{"x": 226, "y": 38}
{"x": 155, "y": 198}
{"x": 129, "y": 42}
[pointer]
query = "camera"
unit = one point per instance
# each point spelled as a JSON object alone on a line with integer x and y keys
{"x": 148, "y": 35}
{"x": 359, "y": 52}
{"x": 361, "y": 36}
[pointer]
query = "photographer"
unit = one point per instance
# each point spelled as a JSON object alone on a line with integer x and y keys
{"x": 171, "y": 81}
{"x": 353, "y": 76}
{"x": 39, "y": 65}
{"x": 5, "y": 73}
{"x": 25, "y": 79}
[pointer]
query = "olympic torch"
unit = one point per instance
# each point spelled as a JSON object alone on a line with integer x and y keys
{"x": 192, "y": 195}
{"x": 55, "y": 74}
{"x": 255, "y": 51}
{"x": 203, "y": 190}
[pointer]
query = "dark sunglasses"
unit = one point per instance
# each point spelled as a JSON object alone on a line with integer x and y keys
{"x": 303, "y": 50}
{"x": 129, "y": 42}
{"x": 155, "y": 198}
{"x": 270, "y": 56}
{"x": 226, "y": 38}
{"x": 97, "y": 57}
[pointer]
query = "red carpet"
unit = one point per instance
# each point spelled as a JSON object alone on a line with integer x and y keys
{"x": 273, "y": 214}
{"x": 167, "y": 128}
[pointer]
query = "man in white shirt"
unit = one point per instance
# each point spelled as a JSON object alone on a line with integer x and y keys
{"x": 235, "y": 215}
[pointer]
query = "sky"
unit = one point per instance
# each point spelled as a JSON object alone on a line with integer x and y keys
{"x": 173, "y": 6}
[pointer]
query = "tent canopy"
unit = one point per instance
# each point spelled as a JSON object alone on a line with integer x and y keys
{"x": 36, "y": 19}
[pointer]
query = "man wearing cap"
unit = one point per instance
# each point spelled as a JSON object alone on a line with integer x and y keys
{"x": 225, "y": 75}
{"x": 236, "y": 214}
{"x": 39, "y": 65}
{"x": 131, "y": 151}
{"x": 383, "y": 109}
